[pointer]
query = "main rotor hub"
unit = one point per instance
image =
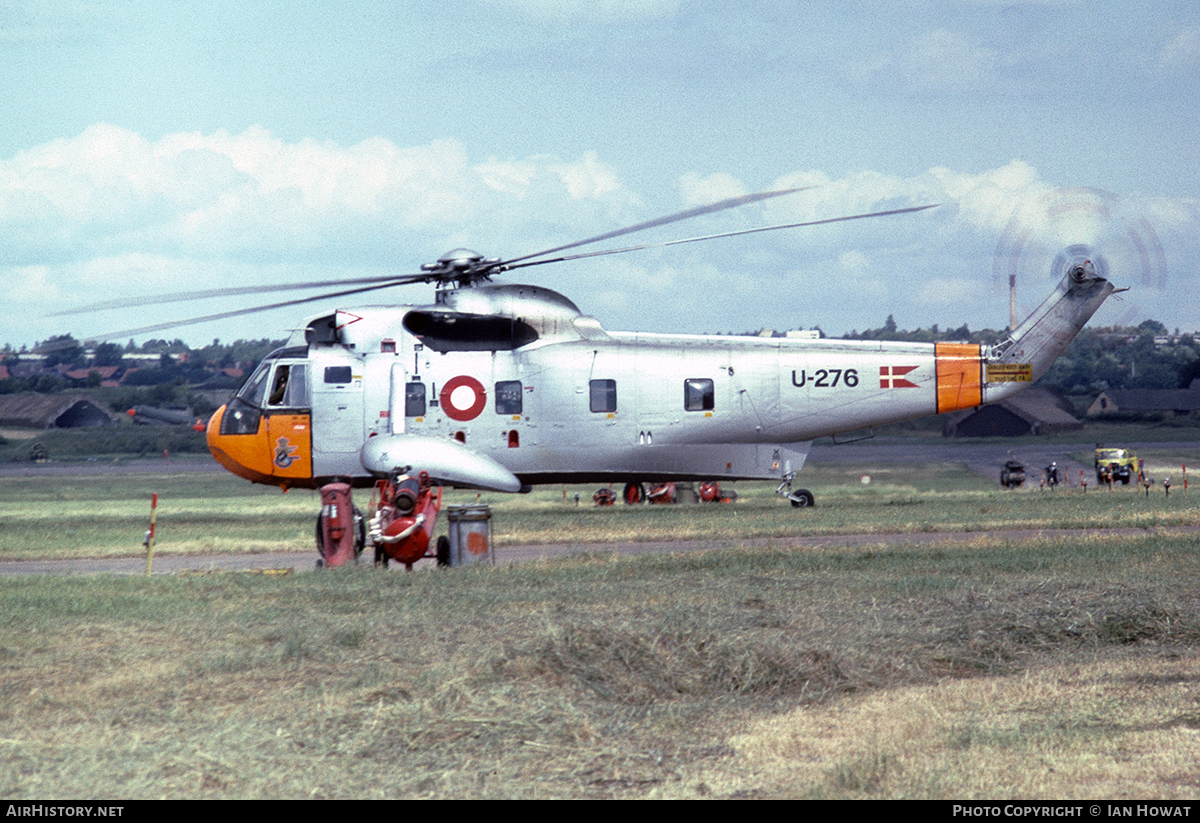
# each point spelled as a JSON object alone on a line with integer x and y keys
{"x": 461, "y": 267}
{"x": 456, "y": 259}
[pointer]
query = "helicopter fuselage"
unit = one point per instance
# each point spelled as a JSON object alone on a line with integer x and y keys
{"x": 507, "y": 386}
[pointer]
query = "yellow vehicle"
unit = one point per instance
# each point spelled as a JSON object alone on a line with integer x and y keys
{"x": 1115, "y": 464}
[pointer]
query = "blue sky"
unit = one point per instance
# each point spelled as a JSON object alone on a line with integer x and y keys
{"x": 173, "y": 145}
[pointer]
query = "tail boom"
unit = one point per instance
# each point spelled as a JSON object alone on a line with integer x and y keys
{"x": 1034, "y": 345}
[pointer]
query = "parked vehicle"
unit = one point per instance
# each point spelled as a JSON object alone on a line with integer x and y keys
{"x": 1115, "y": 465}
{"x": 1013, "y": 474}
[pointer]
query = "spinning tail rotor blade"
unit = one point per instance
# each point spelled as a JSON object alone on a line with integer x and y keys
{"x": 1072, "y": 226}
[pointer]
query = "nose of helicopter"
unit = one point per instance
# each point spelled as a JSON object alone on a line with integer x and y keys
{"x": 236, "y": 452}
{"x": 273, "y": 449}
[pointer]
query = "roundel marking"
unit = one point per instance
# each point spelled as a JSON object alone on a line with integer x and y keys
{"x": 462, "y": 398}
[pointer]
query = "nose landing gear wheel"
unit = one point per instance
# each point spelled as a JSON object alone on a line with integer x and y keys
{"x": 802, "y": 499}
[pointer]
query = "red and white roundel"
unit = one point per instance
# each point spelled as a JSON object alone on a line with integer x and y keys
{"x": 462, "y": 398}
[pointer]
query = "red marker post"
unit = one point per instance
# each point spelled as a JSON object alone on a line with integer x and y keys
{"x": 149, "y": 541}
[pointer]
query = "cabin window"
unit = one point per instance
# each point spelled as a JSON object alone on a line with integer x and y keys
{"x": 603, "y": 395}
{"x": 508, "y": 396}
{"x": 698, "y": 395}
{"x": 289, "y": 388}
{"x": 337, "y": 374}
{"x": 414, "y": 400}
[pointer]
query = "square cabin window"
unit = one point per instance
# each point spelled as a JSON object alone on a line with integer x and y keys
{"x": 603, "y": 395}
{"x": 698, "y": 395}
{"x": 337, "y": 375}
{"x": 508, "y": 396}
{"x": 414, "y": 400}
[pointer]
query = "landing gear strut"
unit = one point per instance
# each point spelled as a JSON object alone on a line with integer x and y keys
{"x": 800, "y": 498}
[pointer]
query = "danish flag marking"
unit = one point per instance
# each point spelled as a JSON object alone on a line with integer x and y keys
{"x": 892, "y": 377}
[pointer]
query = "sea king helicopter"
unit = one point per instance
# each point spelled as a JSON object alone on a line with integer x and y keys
{"x": 501, "y": 386}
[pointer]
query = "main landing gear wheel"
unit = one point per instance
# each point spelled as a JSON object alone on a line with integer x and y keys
{"x": 443, "y": 551}
{"x": 802, "y": 499}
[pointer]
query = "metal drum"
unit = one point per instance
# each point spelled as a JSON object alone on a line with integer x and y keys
{"x": 470, "y": 533}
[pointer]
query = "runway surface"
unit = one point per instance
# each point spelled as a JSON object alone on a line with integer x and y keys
{"x": 305, "y": 561}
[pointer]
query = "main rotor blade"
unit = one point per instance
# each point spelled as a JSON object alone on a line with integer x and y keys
{"x": 183, "y": 296}
{"x": 235, "y": 313}
{"x": 721, "y": 205}
{"x": 663, "y": 244}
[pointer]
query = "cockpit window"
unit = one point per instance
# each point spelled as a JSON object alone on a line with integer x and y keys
{"x": 252, "y": 390}
{"x": 289, "y": 387}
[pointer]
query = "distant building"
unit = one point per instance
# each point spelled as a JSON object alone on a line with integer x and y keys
{"x": 1037, "y": 410}
{"x": 1147, "y": 401}
{"x": 109, "y": 375}
{"x": 51, "y": 411}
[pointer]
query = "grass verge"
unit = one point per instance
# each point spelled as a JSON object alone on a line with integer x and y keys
{"x": 995, "y": 669}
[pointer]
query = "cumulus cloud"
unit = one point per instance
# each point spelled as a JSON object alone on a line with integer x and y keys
{"x": 242, "y": 205}
{"x": 110, "y": 214}
{"x": 252, "y": 192}
{"x": 698, "y": 190}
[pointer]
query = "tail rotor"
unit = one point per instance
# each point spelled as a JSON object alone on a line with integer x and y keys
{"x": 1087, "y": 233}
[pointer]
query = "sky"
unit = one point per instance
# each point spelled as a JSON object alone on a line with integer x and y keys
{"x": 159, "y": 147}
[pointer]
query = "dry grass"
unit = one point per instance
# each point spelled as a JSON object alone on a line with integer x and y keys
{"x": 1041, "y": 668}
{"x": 1026, "y": 668}
{"x": 1119, "y": 727}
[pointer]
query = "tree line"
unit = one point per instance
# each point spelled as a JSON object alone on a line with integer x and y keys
{"x": 1145, "y": 356}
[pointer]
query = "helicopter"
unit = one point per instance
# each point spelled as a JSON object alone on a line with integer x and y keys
{"x": 502, "y": 386}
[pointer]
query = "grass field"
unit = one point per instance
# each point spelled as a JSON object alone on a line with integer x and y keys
{"x": 96, "y": 515}
{"x": 1034, "y": 667}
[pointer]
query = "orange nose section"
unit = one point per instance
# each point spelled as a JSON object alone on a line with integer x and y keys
{"x": 236, "y": 452}
{"x": 278, "y": 452}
